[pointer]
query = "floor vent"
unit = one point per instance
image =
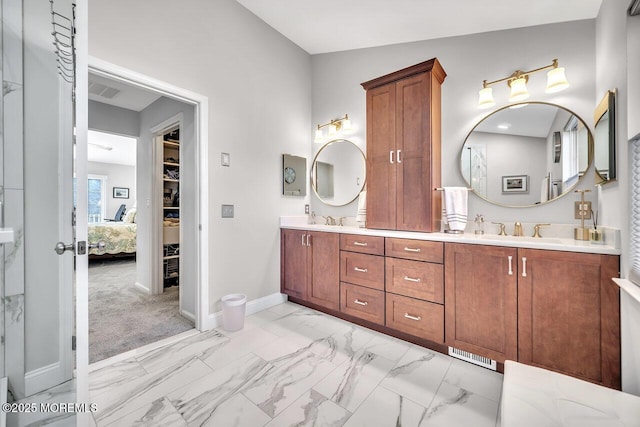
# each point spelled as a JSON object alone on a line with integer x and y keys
{"x": 472, "y": 358}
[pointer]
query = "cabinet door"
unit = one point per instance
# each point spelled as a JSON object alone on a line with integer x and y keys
{"x": 569, "y": 314}
{"x": 414, "y": 162}
{"x": 324, "y": 269}
{"x": 481, "y": 300}
{"x": 381, "y": 157}
{"x": 293, "y": 263}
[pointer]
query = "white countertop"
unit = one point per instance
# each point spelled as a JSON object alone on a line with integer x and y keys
{"x": 6, "y": 235}
{"x": 537, "y": 397}
{"x": 548, "y": 243}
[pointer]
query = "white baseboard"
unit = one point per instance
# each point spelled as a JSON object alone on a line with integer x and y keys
{"x": 254, "y": 306}
{"x": 143, "y": 288}
{"x": 188, "y": 315}
{"x": 42, "y": 378}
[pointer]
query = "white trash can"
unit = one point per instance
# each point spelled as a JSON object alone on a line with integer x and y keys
{"x": 233, "y": 309}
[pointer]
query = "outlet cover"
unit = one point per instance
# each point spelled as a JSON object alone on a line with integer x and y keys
{"x": 227, "y": 211}
{"x": 586, "y": 208}
{"x": 306, "y": 209}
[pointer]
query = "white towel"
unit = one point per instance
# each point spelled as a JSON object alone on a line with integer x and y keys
{"x": 361, "y": 214}
{"x": 455, "y": 207}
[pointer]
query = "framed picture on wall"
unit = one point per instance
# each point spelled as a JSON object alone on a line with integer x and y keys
{"x": 120, "y": 193}
{"x": 515, "y": 184}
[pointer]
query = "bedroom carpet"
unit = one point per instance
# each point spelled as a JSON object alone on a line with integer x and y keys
{"x": 121, "y": 317}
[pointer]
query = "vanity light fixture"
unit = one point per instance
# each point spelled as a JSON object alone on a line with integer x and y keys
{"x": 556, "y": 81}
{"x": 335, "y": 125}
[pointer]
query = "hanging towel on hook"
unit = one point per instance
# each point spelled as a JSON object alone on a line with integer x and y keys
{"x": 455, "y": 207}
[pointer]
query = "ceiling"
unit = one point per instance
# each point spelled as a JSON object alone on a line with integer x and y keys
{"x": 108, "y": 148}
{"x": 119, "y": 94}
{"x": 321, "y": 26}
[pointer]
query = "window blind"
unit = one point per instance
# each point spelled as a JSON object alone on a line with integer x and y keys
{"x": 635, "y": 211}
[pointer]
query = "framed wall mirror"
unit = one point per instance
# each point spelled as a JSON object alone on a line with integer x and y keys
{"x": 546, "y": 147}
{"x": 294, "y": 175}
{"x": 605, "y": 139}
{"x": 338, "y": 172}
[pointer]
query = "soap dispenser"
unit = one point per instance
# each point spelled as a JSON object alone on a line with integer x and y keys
{"x": 479, "y": 221}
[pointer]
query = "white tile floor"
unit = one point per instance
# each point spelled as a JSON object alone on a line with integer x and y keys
{"x": 291, "y": 366}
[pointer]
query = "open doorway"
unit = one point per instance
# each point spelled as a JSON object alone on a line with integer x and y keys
{"x": 130, "y": 304}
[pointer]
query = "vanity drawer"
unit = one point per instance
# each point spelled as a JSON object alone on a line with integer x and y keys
{"x": 365, "y": 303}
{"x": 415, "y": 279}
{"x": 373, "y": 245}
{"x": 362, "y": 269}
{"x": 416, "y": 317}
{"x": 418, "y": 250}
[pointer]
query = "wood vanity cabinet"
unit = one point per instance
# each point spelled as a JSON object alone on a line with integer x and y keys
{"x": 309, "y": 265}
{"x": 552, "y": 309}
{"x": 569, "y": 314}
{"x": 403, "y": 148}
{"x": 362, "y": 277}
{"x": 481, "y": 291}
{"x": 414, "y": 285}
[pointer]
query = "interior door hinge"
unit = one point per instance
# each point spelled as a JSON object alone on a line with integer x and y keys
{"x": 73, "y": 343}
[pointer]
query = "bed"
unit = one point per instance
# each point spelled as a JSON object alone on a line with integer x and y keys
{"x": 119, "y": 237}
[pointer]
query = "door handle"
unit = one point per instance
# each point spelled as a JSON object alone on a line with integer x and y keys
{"x": 100, "y": 245}
{"x": 62, "y": 248}
{"x": 391, "y": 156}
{"x": 524, "y": 266}
{"x": 398, "y": 156}
{"x": 510, "y": 265}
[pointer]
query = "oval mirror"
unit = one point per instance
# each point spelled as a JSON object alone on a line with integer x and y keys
{"x": 338, "y": 172}
{"x": 526, "y": 154}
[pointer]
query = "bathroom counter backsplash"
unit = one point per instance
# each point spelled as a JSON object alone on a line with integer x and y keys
{"x": 558, "y": 237}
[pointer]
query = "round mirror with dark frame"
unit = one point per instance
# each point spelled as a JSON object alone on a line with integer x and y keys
{"x": 526, "y": 154}
{"x": 338, "y": 172}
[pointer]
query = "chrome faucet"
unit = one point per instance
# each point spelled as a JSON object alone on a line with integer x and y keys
{"x": 517, "y": 229}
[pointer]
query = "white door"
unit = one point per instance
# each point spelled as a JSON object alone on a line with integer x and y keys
{"x": 54, "y": 243}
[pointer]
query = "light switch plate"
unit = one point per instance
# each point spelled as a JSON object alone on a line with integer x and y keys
{"x": 227, "y": 211}
{"x": 225, "y": 159}
{"x": 586, "y": 208}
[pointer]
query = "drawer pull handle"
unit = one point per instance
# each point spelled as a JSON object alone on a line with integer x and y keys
{"x": 524, "y": 266}
{"x": 411, "y": 279}
{"x": 416, "y": 318}
{"x": 357, "y": 301}
{"x": 356, "y": 243}
{"x": 360, "y": 270}
{"x": 411, "y": 249}
{"x": 510, "y": 265}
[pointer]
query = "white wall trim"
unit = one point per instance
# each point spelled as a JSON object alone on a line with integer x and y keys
{"x": 143, "y": 288}
{"x": 189, "y": 315}
{"x": 254, "y": 306}
{"x": 201, "y": 104}
{"x": 43, "y": 378}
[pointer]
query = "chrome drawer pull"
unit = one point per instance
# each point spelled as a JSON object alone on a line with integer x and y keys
{"x": 510, "y": 265}
{"x": 416, "y": 318}
{"x": 524, "y": 266}
{"x": 360, "y": 270}
{"x": 411, "y": 249}
{"x": 357, "y": 301}
{"x": 359, "y": 244}
{"x": 411, "y": 279}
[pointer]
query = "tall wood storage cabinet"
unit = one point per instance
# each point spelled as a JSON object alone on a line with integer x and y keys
{"x": 403, "y": 148}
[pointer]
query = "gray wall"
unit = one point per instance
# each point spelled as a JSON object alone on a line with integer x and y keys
{"x": 117, "y": 176}
{"x": 111, "y": 119}
{"x": 153, "y": 115}
{"x": 259, "y": 88}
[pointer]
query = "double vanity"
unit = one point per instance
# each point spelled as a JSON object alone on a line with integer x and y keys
{"x": 545, "y": 302}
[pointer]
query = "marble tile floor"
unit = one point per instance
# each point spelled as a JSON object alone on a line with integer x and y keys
{"x": 293, "y": 366}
